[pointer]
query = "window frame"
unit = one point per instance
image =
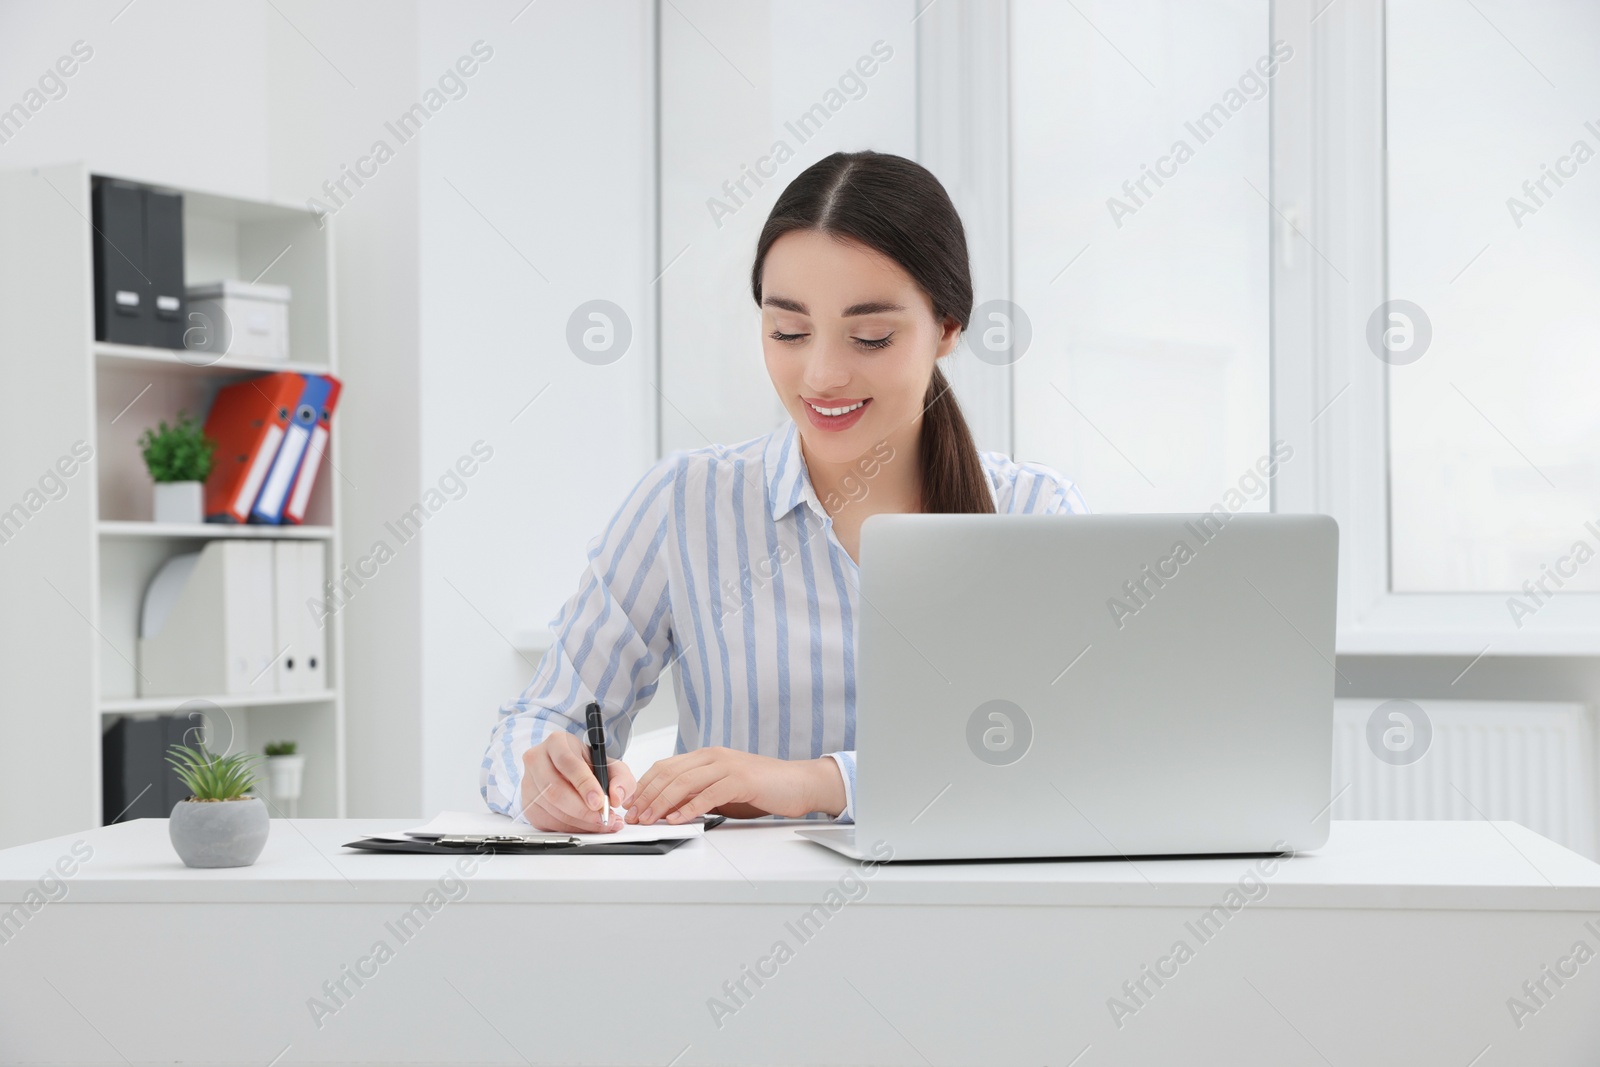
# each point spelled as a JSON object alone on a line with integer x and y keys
{"x": 1329, "y": 193}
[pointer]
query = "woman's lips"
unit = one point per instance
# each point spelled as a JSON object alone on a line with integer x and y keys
{"x": 852, "y": 407}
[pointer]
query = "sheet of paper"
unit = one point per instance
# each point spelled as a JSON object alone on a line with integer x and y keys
{"x": 489, "y": 822}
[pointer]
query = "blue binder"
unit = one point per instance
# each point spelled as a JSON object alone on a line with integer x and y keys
{"x": 268, "y": 507}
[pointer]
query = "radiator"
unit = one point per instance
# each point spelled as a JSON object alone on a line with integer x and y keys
{"x": 1530, "y": 763}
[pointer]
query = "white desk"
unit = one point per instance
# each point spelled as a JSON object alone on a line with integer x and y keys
{"x": 1398, "y": 943}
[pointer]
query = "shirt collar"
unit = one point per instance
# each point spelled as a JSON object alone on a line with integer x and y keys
{"x": 788, "y": 483}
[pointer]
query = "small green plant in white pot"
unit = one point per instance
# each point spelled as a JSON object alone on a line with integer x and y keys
{"x": 285, "y": 770}
{"x": 221, "y": 825}
{"x": 179, "y": 460}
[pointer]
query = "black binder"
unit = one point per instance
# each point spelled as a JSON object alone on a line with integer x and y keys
{"x": 133, "y": 755}
{"x": 138, "y": 264}
{"x": 122, "y": 312}
{"x": 163, "y": 257}
{"x": 132, "y": 783}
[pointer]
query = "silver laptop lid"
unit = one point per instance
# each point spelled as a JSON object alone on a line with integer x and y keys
{"x": 1081, "y": 685}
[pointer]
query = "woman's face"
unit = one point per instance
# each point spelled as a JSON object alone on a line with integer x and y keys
{"x": 850, "y": 342}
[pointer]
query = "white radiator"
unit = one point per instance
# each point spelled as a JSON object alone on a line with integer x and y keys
{"x": 1531, "y": 763}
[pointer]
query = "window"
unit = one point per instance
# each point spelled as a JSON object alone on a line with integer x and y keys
{"x": 1493, "y": 209}
{"x": 1141, "y": 246}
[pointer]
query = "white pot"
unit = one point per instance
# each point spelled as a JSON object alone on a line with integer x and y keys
{"x": 285, "y": 774}
{"x": 180, "y": 502}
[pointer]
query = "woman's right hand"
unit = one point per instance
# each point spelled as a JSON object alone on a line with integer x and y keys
{"x": 559, "y": 789}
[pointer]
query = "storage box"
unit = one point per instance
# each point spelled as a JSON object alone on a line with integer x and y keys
{"x": 239, "y": 319}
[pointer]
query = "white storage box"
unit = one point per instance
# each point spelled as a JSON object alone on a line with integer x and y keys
{"x": 239, "y": 319}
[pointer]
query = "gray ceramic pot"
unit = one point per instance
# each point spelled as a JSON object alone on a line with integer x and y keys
{"x": 219, "y": 833}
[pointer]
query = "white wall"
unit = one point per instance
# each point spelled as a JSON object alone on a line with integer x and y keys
{"x": 174, "y": 91}
{"x": 536, "y": 195}
{"x": 444, "y": 329}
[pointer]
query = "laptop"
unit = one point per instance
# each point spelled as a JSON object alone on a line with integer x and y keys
{"x": 1092, "y": 685}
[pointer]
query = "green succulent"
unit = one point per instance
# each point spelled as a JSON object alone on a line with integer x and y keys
{"x": 179, "y": 453}
{"x": 211, "y": 777}
{"x": 280, "y": 748}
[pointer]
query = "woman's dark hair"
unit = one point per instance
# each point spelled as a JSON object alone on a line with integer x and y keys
{"x": 898, "y": 208}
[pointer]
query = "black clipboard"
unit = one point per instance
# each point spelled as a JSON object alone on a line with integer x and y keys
{"x": 538, "y": 844}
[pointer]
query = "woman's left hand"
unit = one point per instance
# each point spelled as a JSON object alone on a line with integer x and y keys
{"x": 726, "y": 781}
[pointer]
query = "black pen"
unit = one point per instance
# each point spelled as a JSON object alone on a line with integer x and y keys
{"x": 597, "y": 758}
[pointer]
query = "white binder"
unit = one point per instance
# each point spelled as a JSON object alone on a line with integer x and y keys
{"x": 297, "y": 583}
{"x": 285, "y": 584}
{"x": 207, "y": 625}
{"x": 313, "y": 631}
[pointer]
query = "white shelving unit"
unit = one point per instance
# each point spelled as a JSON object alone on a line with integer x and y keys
{"x": 73, "y": 571}
{"x": 206, "y": 531}
{"x": 166, "y": 705}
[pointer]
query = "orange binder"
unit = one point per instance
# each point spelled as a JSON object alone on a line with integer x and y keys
{"x": 247, "y": 421}
{"x": 294, "y": 510}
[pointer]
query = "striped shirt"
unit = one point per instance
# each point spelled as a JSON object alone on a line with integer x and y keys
{"x": 722, "y": 563}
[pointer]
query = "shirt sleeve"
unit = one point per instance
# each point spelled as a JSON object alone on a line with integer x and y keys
{"x": 1069, "y": 501}
{"x": 1038, "y": 490}
{"x": 612, "y": 640}
{"x": 847, "y": 771}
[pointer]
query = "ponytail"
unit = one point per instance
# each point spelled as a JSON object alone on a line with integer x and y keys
{"x": 953, "y": 481}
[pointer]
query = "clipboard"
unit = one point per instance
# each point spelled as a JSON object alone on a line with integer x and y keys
{"x": 533, "y": 843}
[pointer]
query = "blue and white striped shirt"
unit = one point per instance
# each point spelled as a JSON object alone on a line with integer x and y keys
{"x": 714, "y": 567}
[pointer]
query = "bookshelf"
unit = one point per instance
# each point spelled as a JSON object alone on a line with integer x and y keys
{"x": 167, "y": 705}
{"x": 111, "y": 355}
{"x": 207, "y": 531}
{"x": 73, "y": 571}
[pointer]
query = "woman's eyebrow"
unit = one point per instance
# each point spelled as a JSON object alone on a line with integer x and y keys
{"x": 786, "y": 304}
{"x": 871, "y": 307}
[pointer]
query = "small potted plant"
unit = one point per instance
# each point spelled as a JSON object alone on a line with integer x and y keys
{"x": 220, "y": 826}
{"x": 285, "y": 771}
{"x": 179, "y": 460}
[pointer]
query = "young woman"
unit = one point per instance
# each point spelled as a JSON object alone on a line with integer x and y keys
{"x": 737, "y": 565}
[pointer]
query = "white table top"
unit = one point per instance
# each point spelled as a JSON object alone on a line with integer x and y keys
{"x": 1426, "y": 865}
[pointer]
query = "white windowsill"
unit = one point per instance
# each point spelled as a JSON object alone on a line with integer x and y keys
{"x": 1472, "y": 624}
